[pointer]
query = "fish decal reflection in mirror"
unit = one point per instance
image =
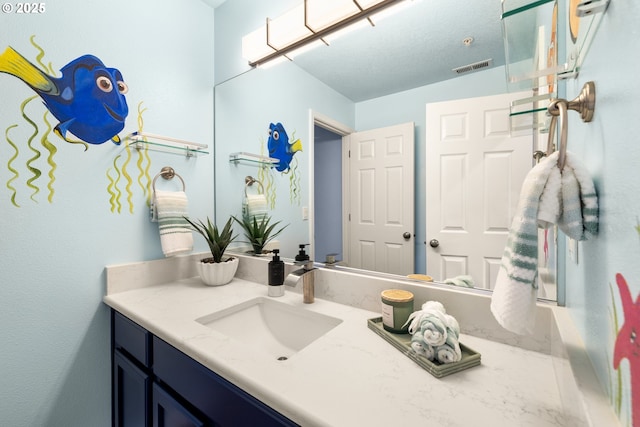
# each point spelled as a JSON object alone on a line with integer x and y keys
{"x": 280, "y": 148}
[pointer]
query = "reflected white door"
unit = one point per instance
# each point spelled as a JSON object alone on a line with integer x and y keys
{"x": 381, "y": 226}
{"x": 476, "y": 167}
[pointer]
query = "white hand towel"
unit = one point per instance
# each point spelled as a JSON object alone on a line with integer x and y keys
{"x": 175, "y": 232}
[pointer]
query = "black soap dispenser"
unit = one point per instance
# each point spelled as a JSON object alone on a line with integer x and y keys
{"x": 276, "y": 275}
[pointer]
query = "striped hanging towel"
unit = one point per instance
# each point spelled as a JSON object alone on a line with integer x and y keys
{"x": 175, "y": 233}
{"x": 548, "y": 197}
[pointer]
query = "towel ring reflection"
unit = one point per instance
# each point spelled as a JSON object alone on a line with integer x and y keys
{"x": 167, "y": 173}
{"x": 249, "y": 181}
{"x": 584, "y": 103}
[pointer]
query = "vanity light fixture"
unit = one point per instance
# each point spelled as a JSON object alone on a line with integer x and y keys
{"x": 308, "y": 25}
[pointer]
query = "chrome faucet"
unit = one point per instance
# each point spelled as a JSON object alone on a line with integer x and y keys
{"x": 306, "y": 273}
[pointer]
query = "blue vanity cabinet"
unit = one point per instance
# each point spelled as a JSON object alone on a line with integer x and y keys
{"x": 155, "y": 384}
{"x": 131, "y": 373}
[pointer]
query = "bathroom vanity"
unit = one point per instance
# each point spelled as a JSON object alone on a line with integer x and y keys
{"x": 172, "y": 362}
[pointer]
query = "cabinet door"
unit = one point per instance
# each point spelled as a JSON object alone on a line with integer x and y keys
{"x": 168, "y": 412}
{"x": 130, "y": 393}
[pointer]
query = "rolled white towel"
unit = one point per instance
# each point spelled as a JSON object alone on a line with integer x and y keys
{"x": 422, "y": 349}
{"x": 416, "y": 345}
{"x": 432, "y": 311}
{"x": 450, "y": 351}
{"x": 434, "y": 334}
{"x": 434, "y": 328}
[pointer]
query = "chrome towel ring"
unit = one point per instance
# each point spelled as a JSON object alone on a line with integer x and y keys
{"x": 167, "y": 173}
{"x": 249, "y": 181}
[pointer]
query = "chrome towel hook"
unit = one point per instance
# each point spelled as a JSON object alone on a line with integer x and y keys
{"x": 584, "y": 103}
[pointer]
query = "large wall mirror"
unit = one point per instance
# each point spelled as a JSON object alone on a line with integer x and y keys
{"x": 342, "y": 97}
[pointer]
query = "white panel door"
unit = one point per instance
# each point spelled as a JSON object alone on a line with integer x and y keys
{"x": 381, "y": 205}
{"x": 476, "y": 167}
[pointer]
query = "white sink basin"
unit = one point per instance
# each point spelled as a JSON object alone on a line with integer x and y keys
{"x": 272, "y": 327}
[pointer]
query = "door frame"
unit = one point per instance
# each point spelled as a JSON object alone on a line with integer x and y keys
{"x": 318, "y": 119}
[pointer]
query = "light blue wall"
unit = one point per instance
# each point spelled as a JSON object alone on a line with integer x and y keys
{"x": 609, "y": 147}
{"x": 55, "y": 363}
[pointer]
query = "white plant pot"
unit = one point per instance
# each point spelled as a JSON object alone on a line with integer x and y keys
{"x": 218, "y": 274}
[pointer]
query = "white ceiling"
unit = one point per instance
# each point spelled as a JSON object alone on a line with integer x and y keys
{"x": 418, "y": 46}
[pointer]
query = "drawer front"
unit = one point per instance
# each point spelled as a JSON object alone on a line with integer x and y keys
{"x": 132, "y": 339}
{"x": 222, "y": 402}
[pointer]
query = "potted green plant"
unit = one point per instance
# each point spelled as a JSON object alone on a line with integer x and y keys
{"x": 259, "y": 232}
{"x": 217, "y": 269}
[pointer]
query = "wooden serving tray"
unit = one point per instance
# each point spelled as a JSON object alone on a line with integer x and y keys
{"x": 402, "y": 342}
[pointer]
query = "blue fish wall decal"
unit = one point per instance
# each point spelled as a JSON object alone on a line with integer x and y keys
{"x": 280, "y": 148}
{"x": 88, "y": 99}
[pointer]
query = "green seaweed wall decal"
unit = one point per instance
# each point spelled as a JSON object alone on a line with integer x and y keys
{"x": 52, "y": 150}
{"x": 144, "y": 161}
{"x": 143, "y": 164}
{"x": 10, "y": 167}
{"x": 36, "y": 153}
{"x": 128, "y": 179}
{"x": 112, "y": 189}
{"x": 294, "y": 183}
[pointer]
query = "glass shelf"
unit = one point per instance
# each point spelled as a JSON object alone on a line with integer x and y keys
{"x": 252, "y": 159}
{"x": 547, "y": 38}
{"x": 531, "y": 113}
{"x": 141, "y": 140}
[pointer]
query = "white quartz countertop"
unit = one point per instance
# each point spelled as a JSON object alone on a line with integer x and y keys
{"x": 350, "y": 376}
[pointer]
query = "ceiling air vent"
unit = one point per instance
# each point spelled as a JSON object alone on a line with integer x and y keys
{"x": 473, "y": 67}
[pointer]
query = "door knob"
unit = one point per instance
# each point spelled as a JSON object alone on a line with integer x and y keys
{"x": 434, "y": 243}
{"x": 406, "y": 235}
